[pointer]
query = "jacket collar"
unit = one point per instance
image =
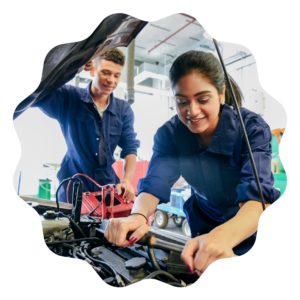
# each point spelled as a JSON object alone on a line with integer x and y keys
{"x": 223, "y": 139}
{"x": 86, "y": 97}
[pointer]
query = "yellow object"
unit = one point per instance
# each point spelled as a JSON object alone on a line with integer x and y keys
{"x": 275, "y": 166}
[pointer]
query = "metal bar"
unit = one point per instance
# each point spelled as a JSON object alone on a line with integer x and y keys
{"x": 173, "y": 34}
{"x": 160, "y": 244}
{"x": 187, "y": 16}
{"x": 243, "y": 127}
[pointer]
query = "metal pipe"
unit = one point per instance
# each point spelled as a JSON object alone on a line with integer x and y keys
{"x": 173, "y": 33}
{"x": 130, "y": 72}
{"x": 160, "y": 244}
{"x": 187, "y": 16}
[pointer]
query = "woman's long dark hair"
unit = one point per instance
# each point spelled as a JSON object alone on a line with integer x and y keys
{"x": 208, "y": 66}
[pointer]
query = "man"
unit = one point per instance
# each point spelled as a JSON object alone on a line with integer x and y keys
{"x": 94, "y": 123}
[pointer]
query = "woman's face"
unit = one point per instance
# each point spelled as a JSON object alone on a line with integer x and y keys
{"x": 198, "y": 103}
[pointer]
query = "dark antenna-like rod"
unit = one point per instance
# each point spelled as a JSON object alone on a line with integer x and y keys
{"x": 243, "y": 127}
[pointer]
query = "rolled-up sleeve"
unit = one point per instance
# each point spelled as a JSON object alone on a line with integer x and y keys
{"x": 128, "y": 141}
{"x": 259, "y": 138}
{"x": 163, "y": 170}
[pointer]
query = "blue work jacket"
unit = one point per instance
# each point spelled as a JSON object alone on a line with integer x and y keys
{"x": 81, "y": 125}
{"x": 221, "y": 175}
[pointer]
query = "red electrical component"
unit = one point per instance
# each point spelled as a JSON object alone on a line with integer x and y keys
{"x": 109, "y": 204}
{"x": 113, "y": 205}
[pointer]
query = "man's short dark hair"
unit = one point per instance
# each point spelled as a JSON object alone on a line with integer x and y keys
{"x": 114, "y": 55}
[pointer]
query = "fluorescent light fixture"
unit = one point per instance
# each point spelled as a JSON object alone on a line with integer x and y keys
{"x": 146, "y": 74}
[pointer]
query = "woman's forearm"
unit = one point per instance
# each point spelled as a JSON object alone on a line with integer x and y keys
{"x": 145, "y": 204}
{"x": 243, "y": 225}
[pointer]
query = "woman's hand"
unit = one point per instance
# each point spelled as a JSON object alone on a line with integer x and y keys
{"x": 201, "y": 251}
{"x": 117, "y": 229}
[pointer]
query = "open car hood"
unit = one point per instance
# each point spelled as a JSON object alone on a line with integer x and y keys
{"x": 63, "y": 61}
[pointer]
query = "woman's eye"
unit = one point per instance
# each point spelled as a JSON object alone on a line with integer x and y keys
{"x": 202, "y": 101}
{"x": 180, "y": 102}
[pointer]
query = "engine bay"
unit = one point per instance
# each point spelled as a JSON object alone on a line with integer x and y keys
{"x": 68, "y": 233}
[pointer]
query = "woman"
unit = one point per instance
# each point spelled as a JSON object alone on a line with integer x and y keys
{"x": 204, "y": 143}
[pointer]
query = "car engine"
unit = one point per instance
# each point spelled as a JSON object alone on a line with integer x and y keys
{"x": 69, "y": 233}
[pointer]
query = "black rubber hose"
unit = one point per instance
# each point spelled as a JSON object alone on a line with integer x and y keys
{"x": 102, "y": 274}
{"x": 164, "y": 273}
{"x": 73, "y": 223}
{"x": 112, "y": 270}
{"x": 65, "y": 180}
{"x": 72, "y": 241}
{"x": 153, "y": 259}
{"x": 71, "y": 254}
{"x": 66, "y": 246}
{"x": 77, "y": 227}
{"x": 175, "y": 284}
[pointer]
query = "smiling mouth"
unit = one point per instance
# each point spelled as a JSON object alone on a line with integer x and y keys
{"x": 195, "y": 121}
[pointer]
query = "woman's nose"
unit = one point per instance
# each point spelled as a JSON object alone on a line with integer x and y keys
{"x": 194, "y": 109}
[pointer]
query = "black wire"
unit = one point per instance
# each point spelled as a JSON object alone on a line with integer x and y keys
{"x": 74, "y": 253}
{"x": 101, "y": 262}
{"x": 175, "y": 284}
{"x": 73, "y": 223}
{"x": 103, "y": 275}
{"x": 104, "y": 264}
{"x": 69, "y": 247}
{"x": 65, "y": 180}
{"x": 153, "y": 259}
{"x": 72, "y": 241}
{"x": 71, "y": 254}
{"x": 164, "y": 273}
{"x": 243, "y": 127}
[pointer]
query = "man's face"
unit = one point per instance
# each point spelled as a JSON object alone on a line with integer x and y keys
{"x": 106, "y": 76}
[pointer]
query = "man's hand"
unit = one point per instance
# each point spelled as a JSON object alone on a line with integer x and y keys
{"x": 127, "y": 190}
{"x": 201, "y": 251}
{"x": 89, "y": 66}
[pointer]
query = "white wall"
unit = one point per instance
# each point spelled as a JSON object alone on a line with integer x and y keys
{"x": 244, "y": 72}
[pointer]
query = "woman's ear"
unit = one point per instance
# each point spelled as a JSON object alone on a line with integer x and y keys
{"x": 223, "y": 95}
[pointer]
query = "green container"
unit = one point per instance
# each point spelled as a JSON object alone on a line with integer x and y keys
{"x": 280, "y": 182}
{"x": 44, "y": 189}
{"x": 274, "y": 144}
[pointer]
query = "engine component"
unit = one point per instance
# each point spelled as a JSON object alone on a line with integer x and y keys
{"x": 49, "y": 215}
{"x": 112, "y": 207}
{"x": 151, "y": 257}
{"x": 137, "y": 267}
{"x": 50, "y": 225}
